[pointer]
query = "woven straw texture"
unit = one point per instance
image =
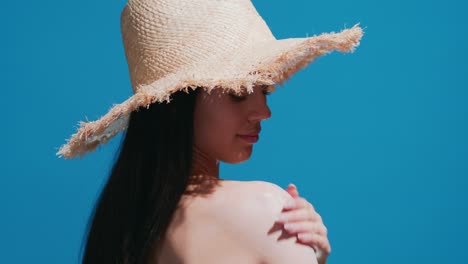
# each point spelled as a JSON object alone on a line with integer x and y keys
{"x": 173, "y": 45}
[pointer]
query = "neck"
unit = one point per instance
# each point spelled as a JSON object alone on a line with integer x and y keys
{"x": 204, "y": 173}
{"x": 204, "y": 165}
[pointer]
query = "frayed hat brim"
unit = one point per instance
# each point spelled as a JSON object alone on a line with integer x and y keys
{"x": 268, "y": 63}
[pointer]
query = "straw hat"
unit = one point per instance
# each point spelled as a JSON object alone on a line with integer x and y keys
{"x": 183, "y": 44}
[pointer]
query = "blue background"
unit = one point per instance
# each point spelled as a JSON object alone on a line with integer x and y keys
{"x": 376, "y": 140}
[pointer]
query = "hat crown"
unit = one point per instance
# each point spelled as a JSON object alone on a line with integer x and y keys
{"x": 163, "y": 36}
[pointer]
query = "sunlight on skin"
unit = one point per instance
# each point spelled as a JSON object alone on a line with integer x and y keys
{"x": 235, "y": 116}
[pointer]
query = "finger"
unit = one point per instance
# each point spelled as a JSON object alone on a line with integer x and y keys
{"x": 316, "y": 241}
{"x": 299, "y": 227}
{"x": 298, "y": 202}
{"x": 292, "y": 190}
{"x": 301, "y": 202}
{"x": 302, "y": 214}
{"x": 306, "y": 227}
{"x": 290, "y": 204}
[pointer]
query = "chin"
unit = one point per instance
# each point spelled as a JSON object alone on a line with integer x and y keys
{"x": 240, "y": 156}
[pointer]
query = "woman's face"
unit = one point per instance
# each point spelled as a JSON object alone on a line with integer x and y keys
{"x": 227, "y": 124}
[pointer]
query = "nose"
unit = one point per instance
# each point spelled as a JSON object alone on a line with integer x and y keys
{"x": 259, "y": 109}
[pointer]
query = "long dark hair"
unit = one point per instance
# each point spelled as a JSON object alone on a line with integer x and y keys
{"x": 145, "y": 185}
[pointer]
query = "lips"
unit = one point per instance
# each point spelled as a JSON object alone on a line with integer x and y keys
{"x": 250, "y": 138}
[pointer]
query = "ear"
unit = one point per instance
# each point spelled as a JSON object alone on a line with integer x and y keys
{"x": 292, "y": 190}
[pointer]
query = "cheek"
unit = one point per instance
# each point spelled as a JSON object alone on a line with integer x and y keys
{"x": 216, "y": 132}
{"x": 220, "y": 141}
{"x": 213, "y": 135}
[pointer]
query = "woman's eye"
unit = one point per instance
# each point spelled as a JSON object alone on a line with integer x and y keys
{"x": 237, "y": 98}
{"x": 241, "y": 97}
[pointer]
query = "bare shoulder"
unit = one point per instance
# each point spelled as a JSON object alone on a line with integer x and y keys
{"x": 264, "y": 188}
{"x": 238, "y": 219}
{"x": 268, "y": 195}
{"x": 236, "y": 201}
{"x": 251, "y": 214}
{"x": 254, "y": 195}
{"x": 270, "y": 189}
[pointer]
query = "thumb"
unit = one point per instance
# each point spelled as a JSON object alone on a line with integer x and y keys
{"x": 292, "y": 190}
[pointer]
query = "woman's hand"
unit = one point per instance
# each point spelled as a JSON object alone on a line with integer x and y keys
{"x": 300, "y": 218}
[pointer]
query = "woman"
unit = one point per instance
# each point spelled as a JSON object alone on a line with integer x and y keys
{"x": 164, "y": 201}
